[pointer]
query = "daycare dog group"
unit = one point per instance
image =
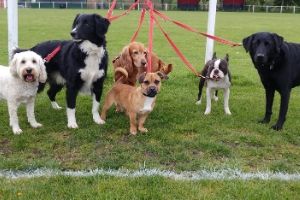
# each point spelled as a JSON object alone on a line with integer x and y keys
{"x": 81, "y": 64}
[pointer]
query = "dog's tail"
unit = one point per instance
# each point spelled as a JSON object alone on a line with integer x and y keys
{"x": 120, "y": 74}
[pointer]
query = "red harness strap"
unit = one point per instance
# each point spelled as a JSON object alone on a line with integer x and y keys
{"x": 52, "y": 54}
{"x": 150, "y": 35}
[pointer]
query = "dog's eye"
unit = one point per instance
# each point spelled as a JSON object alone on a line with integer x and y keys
{"x": 33, "y": 61}
{"x": 145, "y": 52}
{"x": 156, "y": 82}
{"x": 146, "y": 82}
{"x": 266, "y": 43}
{"x": 135, "y": 52}
{"x": 23, "y": 61}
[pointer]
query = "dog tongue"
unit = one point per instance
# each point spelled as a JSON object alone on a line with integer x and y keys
{"x": 29, "y": 77}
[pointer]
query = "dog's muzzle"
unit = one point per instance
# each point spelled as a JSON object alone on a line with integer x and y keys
{"x": 28, "y": 76}
{"x": 151, "y": 92}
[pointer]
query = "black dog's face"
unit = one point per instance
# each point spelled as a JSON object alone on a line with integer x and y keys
{"x": 90, "y": 27}
{"x": 263, "y": 47}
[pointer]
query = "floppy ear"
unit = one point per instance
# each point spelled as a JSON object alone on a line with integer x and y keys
{"x": 142, "y": 77}
{"x": 13, "y": 65}
{"x": 214, "y": 56}
{"x": 278, "y": 42}
{"x": 102, "y": 25}
{"x": 74, "y": 22}
{"x": 126, "y": 60}
{"x": 162, "y": 75}
{"x": 43, "y": 73}
{"x": 247, "y": 42}
{"x": 226, "y": 57}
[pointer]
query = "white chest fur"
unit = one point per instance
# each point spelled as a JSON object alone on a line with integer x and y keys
{"x": 223, "y": 83}
{"x": 148, "y": 104}
{"x": 91, "y": 72}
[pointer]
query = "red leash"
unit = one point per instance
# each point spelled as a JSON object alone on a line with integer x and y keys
{"x": 52, "y": 54}
{"x": 139, "y": 26}
{"x": 150, "y": 36}
{"x": 189, "y": 28}
{"x": 109, "y": 14}
{"x": 177, "y": 51}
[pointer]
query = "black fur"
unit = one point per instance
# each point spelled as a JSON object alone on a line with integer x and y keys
{"x": 207, "y": 70}
{"x": 278, "y": 65}
{"x": 70, "y": 59}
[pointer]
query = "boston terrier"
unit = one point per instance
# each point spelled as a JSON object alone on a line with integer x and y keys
{"x": 217, "y": 76}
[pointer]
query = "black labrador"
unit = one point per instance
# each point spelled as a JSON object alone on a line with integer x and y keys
{"x": 278, "y": 65}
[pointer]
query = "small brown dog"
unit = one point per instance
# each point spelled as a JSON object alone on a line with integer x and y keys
{"x": 132, "y": 62}
{"x": 126, "y": 65}
{"x": 138, "y": 102}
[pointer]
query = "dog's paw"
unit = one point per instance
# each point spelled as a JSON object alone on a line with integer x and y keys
{"x": 133, "y": 131}
{"x": 17, "y": 131}
{"x": 55, "y": 106}
{"x": 97, "y": 119}
{"x": 35, "y": 125}
{"x": 72, "y": 125}
{"x": 207, "y": 112}
{"x": 198, "y": 102}
{"x": 264, "y": 121}
{"x": 227, "y": 111}
{"x": 216, "y": 98}
{"x": 276, "y": 127}
{"x": 143, "y": 130}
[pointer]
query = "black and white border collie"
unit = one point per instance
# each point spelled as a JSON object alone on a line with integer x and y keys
{"x": 80, "y": 65}
{"x": 218, "y": 77}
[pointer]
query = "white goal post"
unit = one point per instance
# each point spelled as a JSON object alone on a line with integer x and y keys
{"x": 12, "y": 23}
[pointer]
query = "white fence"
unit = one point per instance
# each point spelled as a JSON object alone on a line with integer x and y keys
{"x": 125, "y": 5}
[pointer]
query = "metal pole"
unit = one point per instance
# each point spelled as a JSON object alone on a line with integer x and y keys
{"x": 210, "y": 29}
{"x": 12, "y": 23}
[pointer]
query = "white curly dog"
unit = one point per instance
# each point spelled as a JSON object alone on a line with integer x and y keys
{"x": 19, "y": 84}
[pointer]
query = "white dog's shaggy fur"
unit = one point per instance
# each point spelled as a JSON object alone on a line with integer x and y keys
{"x": 19, "y": 83}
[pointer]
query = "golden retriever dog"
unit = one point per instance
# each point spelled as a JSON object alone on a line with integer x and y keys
{"x": 127, "y": 64}
{"x": 132, "y": 62}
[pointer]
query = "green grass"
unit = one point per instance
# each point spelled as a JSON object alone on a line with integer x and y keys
{"x": 180, "y": 136}
{"x": 145, "y": 188}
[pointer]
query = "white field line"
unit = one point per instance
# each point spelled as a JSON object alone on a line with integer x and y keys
{"x": 226, "y": 174}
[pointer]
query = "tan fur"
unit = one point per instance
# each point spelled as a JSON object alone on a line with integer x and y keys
{"x": 132, "y": 99}
{"x": 128, "y": 67}
{"x": 132, "y": 57}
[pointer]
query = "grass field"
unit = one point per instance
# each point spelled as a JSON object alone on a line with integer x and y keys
{"x": 180, "y": 138}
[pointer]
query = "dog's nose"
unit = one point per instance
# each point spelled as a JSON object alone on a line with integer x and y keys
{"x": 28, "y": 70}
{"x": 260, "y": 56}
{"x": 216, "y": 71}
{"x": 144, "y": 62}
{"x": 73, "y": 32}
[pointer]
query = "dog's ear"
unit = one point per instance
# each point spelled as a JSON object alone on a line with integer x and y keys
{"x": 142, "y": 77}
{"x": 214, "y": 56}
{"x": 74, "y": 22}
{"x": 278, "y": 41}
{"x": 43, "y": 73}
{"x": 126, "y": 60}
{"x": 102, "y": 25}
{"x": 247, "y": 42}
{"x": 13, "y": 65}
{"x": 226, "y": 57}
{"x": 162, "y": 75}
